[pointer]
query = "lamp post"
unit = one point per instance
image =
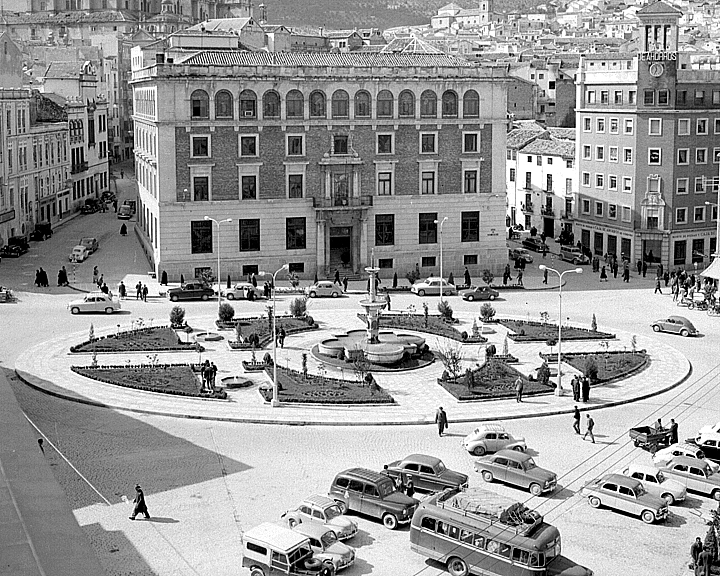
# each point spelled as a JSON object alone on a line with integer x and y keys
{"x": 275, "y": 400}
{"x": 441, "y": 222}
{"x": 218, "y": 222}
{"x": 558, "y": 389}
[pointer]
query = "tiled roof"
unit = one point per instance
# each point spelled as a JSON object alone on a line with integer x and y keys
{"x": 562, "y": 133}
{"x": 340, "y": 33}
{"x": 64, "y": 18}
{"x": 659, "y": 7}
{"x": 550, "y": 147}
{"x": 63, "y": 70}
{"x": 519, "y": 138}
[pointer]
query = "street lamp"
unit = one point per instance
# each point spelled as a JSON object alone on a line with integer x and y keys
{"x": 275, "y": 400}
{"x": 558, "y": 389}
{"x": 441, "y": 222}
{"x": 717, "y": 229}
{"x": 218, "y": 222}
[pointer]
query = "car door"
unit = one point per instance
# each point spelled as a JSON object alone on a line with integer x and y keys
{"x": 354, "y": 495}
{"x": 503, "y": 439}
{"x": 626, "y": 500}
{"x": 491, "y": 444}
{"x": 499, "y": 468}
{"x": 681, "y": 473}
{"x": 609, "y": 494}
{"x": 515, "y": 474}
{"x": 427, "y": 479}
{"x": 697, "y": 480}
{"x": 411, "y": 470}
{"x": 371, "y": 501}
{"x": 673, "y": 326}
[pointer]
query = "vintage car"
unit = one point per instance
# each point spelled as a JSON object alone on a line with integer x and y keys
{"x": 656, "y": 483}
{"x": 480, "y": 293}
{"x": 427, "y": 473}
{"x": 79, "y": 254}
{"x": 709, "y": 445}
{"x": 326, "y": 546}
{"x": 325, "y": 511}
{"x": 324, "y": 288}
{"x": 676, "y": 325}
{"x": 491, "y": 437}
{"x": 627, "y": 495}
{"x": 574, "y": 255}
{"x": 664, "y": 455}
{"x": 124, "y": 212}
{"x": 191, "y": 291}
{"x": 520, "y": 254}
{"x": 694, "y": 474}
{"x": 241, "y": 291}
{"x": 42, "y": 231}
{"x": 708, "y": 431}
{"x": 534, "y": 243}
{"x": 95, "y": 302}
{"x": 431, "y": 287}
{"x": 518, "y": 469}
{"x": 91, "y": 206}
{"x": 90, "y": 243}
{"x": 11, "y": 251}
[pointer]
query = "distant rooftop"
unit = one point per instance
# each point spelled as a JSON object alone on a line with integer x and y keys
{"x": 62, "y": 18}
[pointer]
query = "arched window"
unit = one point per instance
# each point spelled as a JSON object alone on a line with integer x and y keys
{"x": 471, "y": 104}
{"x": 199, "y": 104}
{"x": 248, "y": 104}
{"x": 428, "y": 104}
{"x": 340, "y": 104}
{"x": 406, "y": 104}
{"x": 385, "y": 103}
{"x": 318, "y": 109}
{"x": 223, "y": 104}
{"x": 362, "y": 104}
{"x": 449, "y": 104}
{"x": 295, "y": 104}
{"x": 271, "y": 104}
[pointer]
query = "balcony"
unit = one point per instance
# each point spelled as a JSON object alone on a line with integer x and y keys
{"x": 567, "y": 215}
{"x": 527, "y": 207}
{"x": 547, "y": 211}
{"x": 77, "y": 168}
{"x": 343, "y": 202}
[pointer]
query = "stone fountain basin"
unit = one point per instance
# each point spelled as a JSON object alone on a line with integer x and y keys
{"x": 389, "y": 350}
{"x": 209, "y": 336}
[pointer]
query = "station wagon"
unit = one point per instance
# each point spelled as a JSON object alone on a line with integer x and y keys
{"x": 694, "y": 474}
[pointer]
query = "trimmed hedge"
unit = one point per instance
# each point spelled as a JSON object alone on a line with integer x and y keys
{"x": 576, "y": 360}
{"x": 138, "y": 341}
{"x": 524, "y": 331}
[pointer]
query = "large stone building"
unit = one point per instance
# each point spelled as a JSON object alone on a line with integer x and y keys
{"x": 319, "y": 160}
{"x": 648, "y": 149}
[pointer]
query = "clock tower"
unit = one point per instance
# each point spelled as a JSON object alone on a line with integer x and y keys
{"x": 658, "y": 56}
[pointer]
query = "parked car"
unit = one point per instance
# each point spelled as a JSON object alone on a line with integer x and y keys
{"x": 271, "y": 550}
{"x": 21, "y": 242}
{"x": 520, "y": 254}
{"x": 132, "y": 204}
{"x": 107, "y": 196}
{"x": 533, "y": 243}
{"x": 324, "y": 288}
{"x": 696, "y": 475}
{"x": 79, "y": 254}
{"x": 491, "y": 437}
{"x": 325, "y": 511}
{"x": 42, "y": 231}
{"x": 124, "y": 213}
{"x": 518, "y": 469}
{"x": 90, "y": 243}
{"x": 373, "y": 494}
{"x": 191, "y": 291}
{"x": 91, "y": 205}
{"x": 428, "y": 473}
{"x": 708, "y": 431}
{"x": 480, "y": 293}
{"x": 656, "y": 483}
{"x": 431, "y": 287}
{"x": 241, "y": 290}
{"x": 676, "y": 325}
{"x": 709, "y": 445}
{"x": 326, "y": 546}
{"x": 95, "y": 302}
{"x": 619, "y": 492}
{"x": 683, "y": 449}
{"x": 574, "y": 255}
{"x": 9, "y": 251}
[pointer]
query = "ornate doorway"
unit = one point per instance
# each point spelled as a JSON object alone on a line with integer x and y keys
{"x": 340, "y": 248}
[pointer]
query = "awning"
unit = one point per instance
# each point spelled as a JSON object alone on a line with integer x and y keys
{"x": 712, "y": 271}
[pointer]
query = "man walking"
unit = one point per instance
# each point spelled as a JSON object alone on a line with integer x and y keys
{"x": 545, "y": 276}
{"x": 519, "y": 389}
{"x": 590, "y": 425}
{"x": 138, "y": 291}
{"x": 520, "y": 278}
{"x": 281, "y": 337}
{"x": 140, "y": 506}
{"x": 441, "y": 421}
{"x": 144, "y": 292}
{"x": 696, "y": 550}
{"x": 657, "y": 285}
{"x": 576, "y": 421}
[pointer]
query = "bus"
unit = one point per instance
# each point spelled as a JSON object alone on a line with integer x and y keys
{"x": 478, "y": 532}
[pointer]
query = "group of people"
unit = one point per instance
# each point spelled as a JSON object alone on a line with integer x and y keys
{"x": 507, "y": 276}
{"x": 684, "y": 286}
{"x": 141, "y": 291}
{"x": 41, "y": 279}
{"x": 581, "y": 388}
{"x": 208, "y": 371}
{"x": 337, "y": 281}
{"x": 702, "y": 558}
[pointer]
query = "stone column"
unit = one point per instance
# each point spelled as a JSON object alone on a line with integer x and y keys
{"x": 320, "y": 246}
{"x": 363, "y": 241}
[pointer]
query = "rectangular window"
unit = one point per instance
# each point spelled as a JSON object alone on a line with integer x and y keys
{"x": 587, "y": 153}
{"x": 600, "y": 125}
{"x": 612, "y": 211}
{"x": 716, "y": 97}
{"x": 649, "y": 97}
{"x": 701, "y": 156}
{"x": 717, "y": 125}
{"x": 613, "y": 154}
{"x": 427, "y": 261}
{"x": 248, "y": 146}
{"x": 340, "y": 144}
{"x": 681, "y": 215}
{"x": 569, "y": 163}
{"x": 683, "y": 156}
{"x": 539, "y": 160}
{"x": 663, "y": 97}
{"x": 698, "y": 250}
{"x": 699, "y": 97}
{"x": 590, "y": 96}
{"x": 600, "y": 153}
{"x": 295, "y": 145}
{"x": 470, "y": 180}
{"x": 549, "y": 161}
{"x": 614, "y": 126}
{"x": 612, "y": 182}
{"x": 295, "y": 186}
{"x": 427, "y": 228}
{"x": 632, "y": 96}
{"x": 201, "y": 188}
{"x": 682, "y": 186}
{"x": 599, "y": 180}
{"x": 427, "y": 143}
{"x": 384, "y": 229}
{"x": 628, "y": 126}
{"x": 585, "y": 206}
{"x": 200, "y": 146}
{"x": 701, "y": 127}
{"x": 249, "y": 235}
{"x": 385, "y": 263}
{"x": 716, "y": 156}
{"x": 384, "y": 184}
{"x": 512, "y": 174}
{"x": 470, "y": 142}
{"x": 295, "y": 233}
{"x": 654, "y": 156}
{"x": 249, "y": 188}
{"x": 699, "y": 214}
{"x": 427, "y": 183}
{"x": 470, "y": 227}
{"x": 384, "y": 143}
{"x": 587, "y": 124}
{"x": 297, "y": 268}
{"x": 598, "y": 209}
{"x": 618, "y": 99}
{"x": 655, "y": 127}
{"x": 586, "y": 178}
{"x": 604, "y": 96}
{"x": 700, "y": 185}
{"x": 470, "y": 259}
{"x": 684, "y": 127}
{"x": 679, "y": 252}
{"x": 626, "y": 214}
{"x": 201, "y": 240}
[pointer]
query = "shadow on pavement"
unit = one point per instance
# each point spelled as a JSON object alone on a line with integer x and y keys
{"x": 114, "y": 549}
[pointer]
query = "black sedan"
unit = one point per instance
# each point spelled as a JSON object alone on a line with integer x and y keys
{"x": 428, "y": 473}
{"x": 533, "y": 243}
{"x": 10, "y": 251}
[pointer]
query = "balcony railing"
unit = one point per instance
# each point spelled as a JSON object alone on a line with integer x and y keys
{"x": 567, "y": 215}
{"x": 343, "y": 202}
{"x": 547, "y": 211}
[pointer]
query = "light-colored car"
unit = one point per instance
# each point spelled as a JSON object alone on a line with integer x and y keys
{"x": 325, "y": 545}
{"x": 480, "y": 293}
{"x": 268, "y": 546}
{"x": 708, "y": 431}
{"x": 518, "y": 469}
{"x": 431, "y": 287}
{"x": 428, "y": 473}
{"x": 322, "y": 510}
{"x": 241, "y": 290}
{"x": 95, "y": 302}
{"x": 694, "y": 474}
{"x": 90, "y": 243}
{"x": 683, "y": 449}
{"x": 574, "y": 255}
{"x": 491, "y": 437}
{"x": 627, "y": 495}
{"x": 520, "y": 254}
{"x": 79, "y": 254}
{"x": 676, "y": 325}
{"x": 324, "y": 288}
{"x": 656, "y": 483}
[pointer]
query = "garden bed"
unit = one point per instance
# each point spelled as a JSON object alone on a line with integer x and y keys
{"x": 259, "y": 327}
{"x": 314, "y": 389}
{"x": 177, "y": 379}
{"x": 494, "y": 379}
{"x": 158, "y": 339}
{"x": 435, "y": 325}
{"x": 611, "y": 366}
{"x": 524, "y": 331}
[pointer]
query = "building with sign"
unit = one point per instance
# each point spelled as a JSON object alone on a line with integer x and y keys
{"x": 648, "y": 148}
{"x": 323, "y": 161}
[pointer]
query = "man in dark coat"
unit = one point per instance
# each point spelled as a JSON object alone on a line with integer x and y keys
{"x": 140, "y": 506}
{"x": 704, "y": 563}
{"x": 585, "y": 389}
{"x": 673, "y": 431}
{"x": 576, "y": 420}
{"x": 336, "y": 280}
{"x": 576, "y": 389}
{"x": 441, "y": 420}
{"x": 467, "y": 277}
{"x": 696, "y": 550}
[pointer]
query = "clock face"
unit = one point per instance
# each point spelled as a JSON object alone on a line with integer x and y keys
{"x": 656, "y": 69}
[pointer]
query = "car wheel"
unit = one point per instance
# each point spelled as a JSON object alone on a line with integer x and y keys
{"x": 75, "y": 310}
{"x": 479, "y": 451}
{"x": 421, "y": 292}
{"x": 312, "y": 294}
{"x": 487, "y": 476}
{"x": 230, "y": 296}
{"x": 716, "y": 495}
{"x": 492, "y": 296}
{"x": 535, "y": 489}
{"x": 594, "y": 502}
{"x": 335, "y": 294}
{"x": 255, "y": 571}
{"x": 518, "y": 448}
{"x": 648, "y": 517}
{"x": 343, "y": 507}
{"x": 684, "y": 332}
{"x": 108, "y": 310}
{"x": 669, "y": 498}
{"x": 174, "y": 298}
{"x": 656, "y": 328}
{"x": 204, "y": 297}
{"x": 457, "y": 567}
{"x": 470, "y": 297}
{"x": 313, "y": 564}
{"x": 390, "y": 521}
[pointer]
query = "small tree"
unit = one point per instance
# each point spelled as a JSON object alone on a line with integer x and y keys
{"x": 551, "y": 342}
{"x": 298, "y": 307}
{"x": 91, "y": 334}
{"x": 360, "y": 364}
{"x": 605, "y": 345}
{"x": 506, "y": 351}
{"x": 267, "y": 359}
{"x": 238, "y": 332}
{"x": 487, "y": 312}
{"x": 177, "y": 316}
{"x": 490, "y": 351}
{"x": 254, "y": 360}
{"x": 451, "y": 356}
{"x": 270, "y": 320}
{"x": 544, "y": 317}
{"x": 304, "y": 365}
{"x": 488, "y": 276}
{"x": 591, "y": 369}
{"x": 633, "y": 344}
{"x": 225, "y": 312}
{"x": 543, "y": 374}
{"x": 426, "y": 313}
{"x": 475, "y": 329}
{"x": 593, "y": 324}
{"x": 445, "y": 310}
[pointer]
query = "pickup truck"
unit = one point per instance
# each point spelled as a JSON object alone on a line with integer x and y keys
{"x": 191, "y": 291}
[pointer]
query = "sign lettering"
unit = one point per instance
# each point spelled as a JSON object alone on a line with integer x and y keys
{"x": 657, "y": 56}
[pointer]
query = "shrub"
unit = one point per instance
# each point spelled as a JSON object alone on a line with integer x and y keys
{"x": 294, "y": 279}
{"x": 238, "y": 332}
{"x": 591, "y": 369}
{"x": 445, "y": 310}
{"x": 488, "y": 276}
{"x": 464, "y": 335}
{"x": 487, "y": 312}
{"x": 543, "y": 374}
{"x": 413, "y": 276}
{"x": 177, "y": 315}
{"x": 469, "y": 379}
{"x": 226, "y": 312}
{"x": 445, "y": 375}
{"x": 490, "y": 351}
{"x": 593, "y": 324}
{"x": 253, "y": 339}
{"x": 310, "y": 320}
{"x": 267, "y": 359}
{"x": 298, "y": 307}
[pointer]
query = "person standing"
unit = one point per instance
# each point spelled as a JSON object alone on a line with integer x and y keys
{"x": 345, "y": 283}
{"x": 657, "y": 286}
{"x": 666, "y": 278}
{"x": 585, "y": 389}
{"x": 576, "y": 389}
{"x": 123, "y": 229}
{"x": 603, "y": 275}
{"x": 281, "y": 337}
{"x": 704, "y": 563}
{"x": 409, "y": 488}
{"x": 138, "y": 291}
{"x": 576, "y": 421}
{"x": 467, "y": 277}
{"x": 696, "y": 550}
{"x": 639, "y": 267}
{"x": 101, "y": 280}
{"x": 122, "y": 291}
{"x": 96, "y": 274}
{"x": 520, "y": 278}
{"x": 590, "y": 426}
{"x": 213, "y": 374}
{"x": 545, "y": 276}
{"x": 519, "y": 389}
{"x": 140, "y": 505}
{"x": 673, "y": 431}
{"x": 104, "y": 288}
{"x": 144, "y": 292}
{"x": 644, "y": 268}
{"x": 615, "y": 268}
{"x": 626, "y": 275}
{"x": 337, "y": 277}
{"x": 441, "y": 421}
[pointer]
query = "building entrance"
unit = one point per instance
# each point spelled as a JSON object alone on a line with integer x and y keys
{"x": 340, "y": 248}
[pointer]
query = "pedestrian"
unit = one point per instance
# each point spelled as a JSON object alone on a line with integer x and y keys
{"x": 387, "y": 299}
{"x": 345, "y": 283}
{"x": 337, "y": 277}
{"x": 519, "y": 389}
{"x": 603, "y": 275}
{"x": 644, "y": 268}
{"x": 520, "y": 278}
{"x": 44, "y": 281}
{"x": 114, "y": 206}
{"x": 138, "y": 291}
{"x": 658, "y": 425}
{"x": 576, "y": 389}
{"x": 673, "y": 431}
{"x": 96, "y": 275}
{"x": 409, "y": 488}
{"x": 657, "y": 285}
{"x": 60, "y": 280}
{"x": 123, "y": 229}
{"x": 122, "y": 174}
{"x": 122, "y": 291}
{"x": 104, "y": 288}
{"x": 101, "y": 280}
{"x": 441, "y": 421}
{"x": 545, "y": 276}
{"x": 576, "y": 421}
{"x": 639, "y": 267}
{"x": 40, "y": 445}
{"x": 37, "y": 278}
{"x": 626, "y": 275}
{"x": 704, "y": 563}
{"x": 204, "y": 373}
{"x": 467, "y": 277}
{"x": 615, "y": 269}
{"x": 281, "y": 337}
{"x": 590, "y": 425}
{"x": 253, "y": 280}
{"x": 140, "y": 505}
{"x": 144, "y": 292}
{"x": 213, "y": 374}
{"x": 585, "y": 389}
{"x": 696, "y": 550}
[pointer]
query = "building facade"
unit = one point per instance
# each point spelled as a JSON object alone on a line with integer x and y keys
{"x": 321, "y": 161}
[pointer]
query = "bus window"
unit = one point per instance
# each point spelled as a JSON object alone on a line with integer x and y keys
{"x": 466, "y": 536}
{"x": 428, "y": 523}
{"x": 454, "y": 532}
{"x": 521, "y": 556}
{"x": 478, "y": 541}
{"x": 505, "y": 550}
{"x": 442, "y": 527}
{"x": 537, "y": 559}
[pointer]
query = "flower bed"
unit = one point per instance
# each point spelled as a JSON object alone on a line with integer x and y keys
{"x": 494, "y": 379}
{"x": 617, "y": 365}
{"x": 318, "y": 390}
{"x": 177, "y": 379}
{"x": 435, "y": 325}
{"x": 259, "y": 326}
{"x": 158, "y": 339}
{"x": 524, "y": 331}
